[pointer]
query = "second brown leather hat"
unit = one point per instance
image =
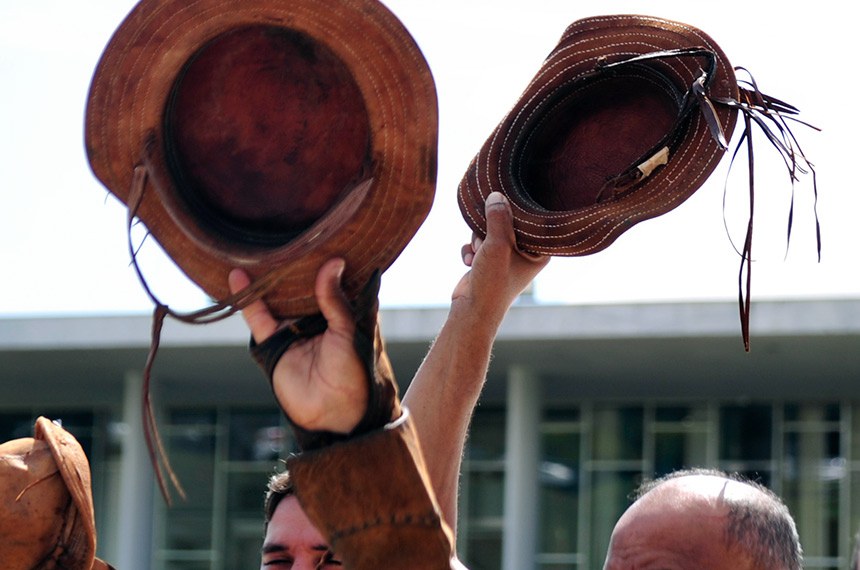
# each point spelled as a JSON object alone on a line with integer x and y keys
{"x": 616, "y": 127}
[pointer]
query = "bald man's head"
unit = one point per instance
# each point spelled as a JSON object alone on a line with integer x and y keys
{"x": 705, "y": 520}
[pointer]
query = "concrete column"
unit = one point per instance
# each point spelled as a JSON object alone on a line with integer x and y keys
{"x": 522, "y": 456}
{"x": 134, "y": 521}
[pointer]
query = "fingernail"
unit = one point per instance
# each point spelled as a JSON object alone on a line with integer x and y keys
{"x": 496, "y": 198}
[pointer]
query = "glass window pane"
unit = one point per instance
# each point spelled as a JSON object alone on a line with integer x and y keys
{"x": 559, "y": 493}
{"x": 486, "y": 497}
{"x": 673, "y": 451}
{"x": 192, "y": 417}
{"x": 811, "y": 489}
{"x": 561, "y": 447}
{"x": 618, "y": 433}
{"x": 812, "y": 412}
{"x": 854, "y": 526}
{"x": 487, "y": 435}
{"x": 611, "y": 493}
{"x": 16, "y": 426}
{"x": 244, "y": 540}
{"x": 745, "y": 433}
{"x": 192, "y": 455}
{"x": 562, "y": 415}
{"x": 258, "y": 436}
{"x": 855, "y": 435}
{"x": 188, "y": 530}
{"x": 246, "y": 492}
{"x": 559, "y": 511}
{"x": 680, "y": 414}
{"x": 485, "y": 550}
{"x": 188, "y": 565}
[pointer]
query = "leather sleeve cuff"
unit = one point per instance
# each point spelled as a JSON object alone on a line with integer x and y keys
{"x": 383, "y": 403}
{"x": 371, "y": 497}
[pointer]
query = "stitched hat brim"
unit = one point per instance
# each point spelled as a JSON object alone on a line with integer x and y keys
{"x": 369, "y": 228}
{"x": 569, "y": 70}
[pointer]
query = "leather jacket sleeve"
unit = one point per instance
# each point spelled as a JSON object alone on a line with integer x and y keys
{"x": 371, "y": 497}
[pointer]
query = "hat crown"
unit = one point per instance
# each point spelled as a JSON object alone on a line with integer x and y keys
{"x": 265, "y": 130}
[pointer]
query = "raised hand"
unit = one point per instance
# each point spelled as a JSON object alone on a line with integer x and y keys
{"x": 319, "y": 382}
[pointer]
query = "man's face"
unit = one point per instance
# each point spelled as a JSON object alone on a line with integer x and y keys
{"x": 678, "y": 526}
{"x": 293, "y": 543}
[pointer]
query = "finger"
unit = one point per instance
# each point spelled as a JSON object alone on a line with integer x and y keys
{"x": 332, "y": 301}
{"x": 477, "y": 242}
{"x": 500, "y": 219}
{"x": 257, "y": 315}
{"x": 468, "y": 254}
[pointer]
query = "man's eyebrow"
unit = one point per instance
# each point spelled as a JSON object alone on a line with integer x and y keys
{"x": 320, "y": 548}
{"x": 270, "y": 547}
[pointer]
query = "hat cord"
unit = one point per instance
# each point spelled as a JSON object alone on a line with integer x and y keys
{"x": 695, "y": 97}
{"x": 217, "y": 311}
{"x": 771, "y": 115}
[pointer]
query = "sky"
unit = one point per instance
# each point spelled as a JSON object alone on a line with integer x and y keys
{"x": 63, "y": 248}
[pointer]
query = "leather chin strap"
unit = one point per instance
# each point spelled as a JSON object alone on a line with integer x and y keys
{"x": 771, "y": 116}
{"x": 769, "y": 113}
{"x": 216, "y": 312}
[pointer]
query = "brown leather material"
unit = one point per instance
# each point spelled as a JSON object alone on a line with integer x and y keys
{"x": 572, "y": 155}
{"x": 373, "y": 516}
{"x": 625, "y": 120}
{"x": 273, "y": 135}
{"x": 46, "y": 508}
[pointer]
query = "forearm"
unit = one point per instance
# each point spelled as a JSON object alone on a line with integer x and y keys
{"x": 444, "y": 392}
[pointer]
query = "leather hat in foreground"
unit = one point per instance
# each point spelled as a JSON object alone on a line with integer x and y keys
{"x": 268, "y": 135}
{"x": 46, "y": 502}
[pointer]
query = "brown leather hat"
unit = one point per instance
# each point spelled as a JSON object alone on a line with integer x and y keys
{"x": 268, "y": 135}
{"x": 46, "y": 504}
{"x": 615, "y": 128}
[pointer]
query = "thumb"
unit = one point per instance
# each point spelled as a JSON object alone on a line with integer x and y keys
{"x": 500, "y": 224}
{"x": 330, "y": 297}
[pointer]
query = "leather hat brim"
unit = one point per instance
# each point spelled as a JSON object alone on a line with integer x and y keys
{"x": 369, "y": 228}
{"x": 568, "y": 226}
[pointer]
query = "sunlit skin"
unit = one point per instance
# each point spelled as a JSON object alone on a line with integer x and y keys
{"x": 680, "y": 525}
{"x": 293, "y": 543}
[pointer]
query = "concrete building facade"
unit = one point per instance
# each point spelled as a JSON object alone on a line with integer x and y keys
{"x": 581, "y": 404}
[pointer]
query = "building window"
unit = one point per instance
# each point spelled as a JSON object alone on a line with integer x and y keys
{"x": 595, "y": 455}
{"x": 482, "y": 492}
{"x": 223, "y": 457}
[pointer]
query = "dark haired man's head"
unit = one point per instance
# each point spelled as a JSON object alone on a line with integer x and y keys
{"x": 291, "y": 540}
{"x": 280, "y": 485}
{"x": 705, "y": 519}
